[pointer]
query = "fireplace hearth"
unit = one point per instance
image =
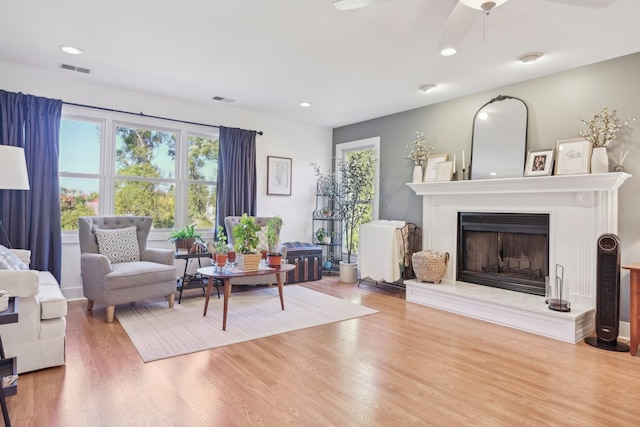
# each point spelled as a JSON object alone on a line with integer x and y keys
{"x": 504, "y": 250}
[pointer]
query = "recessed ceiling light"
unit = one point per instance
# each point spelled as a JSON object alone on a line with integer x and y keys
{"x": 305, "y": 104}
{"x": 529, "y": 57}
{"x": 71, "y": 50}
{"x": 427, "y": 87}
{"x": 448, "y": 51}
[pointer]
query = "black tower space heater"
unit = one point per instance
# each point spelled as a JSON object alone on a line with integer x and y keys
{"x": 608, "y": 295}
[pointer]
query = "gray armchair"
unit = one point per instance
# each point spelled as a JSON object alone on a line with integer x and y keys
{"x": 232, "y": 221}
{"x": 149, "y": 273}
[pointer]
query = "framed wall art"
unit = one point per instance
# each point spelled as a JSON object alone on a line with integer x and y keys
{"x": 573, "y": 156}
{"x": 431, "y": 171}
{"x": 279, "y": 175}
{"x": 539, "y": 163}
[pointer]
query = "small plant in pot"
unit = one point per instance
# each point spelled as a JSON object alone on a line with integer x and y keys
{"x": 274, "y": 225}
{"x": 221, "y": 247}
{"x": 245, "y": 238}
{"x": 185, "y": 238}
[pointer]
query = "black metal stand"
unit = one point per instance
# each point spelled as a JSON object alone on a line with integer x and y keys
{"x": 193, "y": 281}
{"x": 617, "y": 346}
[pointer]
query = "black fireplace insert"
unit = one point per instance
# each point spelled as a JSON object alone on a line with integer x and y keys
{"x": 504, "y": 250}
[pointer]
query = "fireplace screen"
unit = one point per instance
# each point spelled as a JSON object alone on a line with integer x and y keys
{"x": 508, "y": 251}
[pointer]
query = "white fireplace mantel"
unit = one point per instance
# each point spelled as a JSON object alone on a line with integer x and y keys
{"x": 580, "y": 208}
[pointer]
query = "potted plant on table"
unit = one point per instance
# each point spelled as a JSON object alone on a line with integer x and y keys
{"x": 185, "y": 239}
{"x": 221, "y": 247}
{"x": 356, "y": 194}
{"x": 274, "y": 225}
{"x": 245, "y": 238}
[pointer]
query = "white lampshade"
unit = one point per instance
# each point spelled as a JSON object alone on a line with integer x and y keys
{"x": 13, "y": 169}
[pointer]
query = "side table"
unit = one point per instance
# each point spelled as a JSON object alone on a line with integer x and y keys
{"x": 193, "y": 281}
{"x": 8, "y": 366}
{"x": 634, "y": 306}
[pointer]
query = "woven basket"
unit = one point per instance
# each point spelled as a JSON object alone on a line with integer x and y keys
{"x": 248, "y": 262}
{"x": 430, "y": 266}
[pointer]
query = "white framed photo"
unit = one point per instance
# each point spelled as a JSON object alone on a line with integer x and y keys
{"x": 539, "y": 163}
{"x": 445, "y": 171}
{"x": 573, "y": 156}
{"x": 431, "y": 171}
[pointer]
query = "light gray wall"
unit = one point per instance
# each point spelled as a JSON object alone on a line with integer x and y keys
{"x": 555, "y": 103}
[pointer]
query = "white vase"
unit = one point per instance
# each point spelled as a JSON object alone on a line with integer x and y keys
{"x": 417, "y": 174}
{"x": 599, "y": 160}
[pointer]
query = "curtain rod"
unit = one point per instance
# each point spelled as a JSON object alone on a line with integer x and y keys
{"x": 141, "y": 114}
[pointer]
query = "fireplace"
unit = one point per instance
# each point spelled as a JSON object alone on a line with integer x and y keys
{"x": 504, "y": 250}
{"x": 578, "y": 208}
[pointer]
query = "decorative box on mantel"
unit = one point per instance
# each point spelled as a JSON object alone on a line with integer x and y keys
{"x": 580, "y": 208}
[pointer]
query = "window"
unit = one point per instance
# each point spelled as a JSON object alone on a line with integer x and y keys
{"x": 145, "y": 164}
{"x": 109, "y": 167}
{"x": 202, "y": 172}
{"x": 368, "y": 151}
{"x": 79, "y": 169}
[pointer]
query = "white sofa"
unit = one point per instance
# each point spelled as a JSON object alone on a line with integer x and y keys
{"x": 37, "y": 340}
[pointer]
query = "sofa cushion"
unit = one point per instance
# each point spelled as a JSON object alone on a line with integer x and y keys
{"x": 9, "y": 261}
{"x": 118, "y": 244}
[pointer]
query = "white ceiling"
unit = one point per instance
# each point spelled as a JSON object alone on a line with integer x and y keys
{"x": 269, "y": 55}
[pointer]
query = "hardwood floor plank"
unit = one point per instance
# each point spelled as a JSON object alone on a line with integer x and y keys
{"x": 406, "y": 365}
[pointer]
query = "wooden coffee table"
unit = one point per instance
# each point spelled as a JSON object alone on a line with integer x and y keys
{"x": 226, "y": 275}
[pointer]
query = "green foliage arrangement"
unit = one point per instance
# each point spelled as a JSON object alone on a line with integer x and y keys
{"x": 188, "y": 232}
{"x": 245, "y": 237}
{"x": 326, "y": 183}
{"x": 221, "y": 241}
{"x": 274, "y": 225}
{"x": 356, "y": 193}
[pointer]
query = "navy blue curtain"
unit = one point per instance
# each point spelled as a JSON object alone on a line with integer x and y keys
{"x": 236, "y": 187}
{"x": 32, "y": 218}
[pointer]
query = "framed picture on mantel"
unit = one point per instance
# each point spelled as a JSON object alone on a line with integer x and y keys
{"x": 573, "y": 156}
{"x": 539, "y": 163}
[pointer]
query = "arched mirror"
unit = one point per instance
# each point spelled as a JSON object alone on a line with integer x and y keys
{"x": 499, "y": 145}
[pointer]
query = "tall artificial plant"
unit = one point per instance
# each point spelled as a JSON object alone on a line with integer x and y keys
{"x": 356, "y": 173}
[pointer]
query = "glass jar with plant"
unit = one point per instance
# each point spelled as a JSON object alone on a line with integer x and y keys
{"x": 221, "y": 247}
{"x": 245, "y": 238}
{"x": 185, "y": 238}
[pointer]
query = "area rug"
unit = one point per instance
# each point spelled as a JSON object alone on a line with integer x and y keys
{"x": 159, "y": 332}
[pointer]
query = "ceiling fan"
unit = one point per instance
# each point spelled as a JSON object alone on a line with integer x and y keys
{"x": 464, "y": 14}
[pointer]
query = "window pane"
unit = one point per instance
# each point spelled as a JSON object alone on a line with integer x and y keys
{"x": 78, "y": 197}
{"x": 202, "y": 205}
{"x": 203, "y": 158}
{"x": 79, "y": 146}
{"x": 144, "y": 198}
{"x": 145, "y": 152}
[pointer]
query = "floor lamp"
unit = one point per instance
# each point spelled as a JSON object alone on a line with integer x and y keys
{"x": 13, "y": 174}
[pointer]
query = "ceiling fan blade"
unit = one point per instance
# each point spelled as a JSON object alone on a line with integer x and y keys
{"x": 343, "y": 5}
{"x": 594, "y": 4}
{"x": 457, "y": 26}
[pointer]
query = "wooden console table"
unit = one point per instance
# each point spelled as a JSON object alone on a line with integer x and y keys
{"x": 634, "y": 305}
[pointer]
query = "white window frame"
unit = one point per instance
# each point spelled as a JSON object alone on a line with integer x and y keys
{"x": 345, "y": 148}
{"x": 107, "y": 175}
